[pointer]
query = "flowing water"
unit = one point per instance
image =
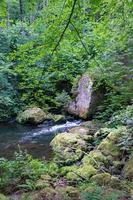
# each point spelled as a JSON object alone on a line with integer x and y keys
{"x": 35, "y": 139}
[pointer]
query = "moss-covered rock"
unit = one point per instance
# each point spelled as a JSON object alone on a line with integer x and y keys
{"x": 83, "y": 132}
{"x": 105, "y": 179}
{"x": 56, "y": 118}
{"x": 33, "y": 115}
{"x": 92, "y": 126}
{"x": 128, "y": 169}
{"x": 95, "y": 158}
{"x": 109, "y": 145}
{"x": 68, "y": 193}
{"x": 67, "y": 169}
{"x": 87, "y": 171}
{"x": 83, "y": 173}
{"x": 49, "y": 193}
{"x": 70, "y": 147}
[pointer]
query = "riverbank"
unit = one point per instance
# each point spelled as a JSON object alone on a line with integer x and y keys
{"x": 89, "y": 163}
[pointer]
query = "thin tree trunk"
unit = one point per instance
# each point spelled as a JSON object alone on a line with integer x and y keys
{"x": 21, "y": 9}
{"x": 8, "y": 14}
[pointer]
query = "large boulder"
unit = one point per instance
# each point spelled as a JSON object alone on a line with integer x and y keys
{"x": 86, "y": 100}
{"x": 70, "y": 146}
{"x": 110, "y": 145}
{"x": 32, "y": 115}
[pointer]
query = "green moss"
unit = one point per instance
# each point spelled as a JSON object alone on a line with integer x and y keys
{"x": 95, "y": 158}
{"x": 43, "y": 182}
{"x": 108, "y": 148}
{"x": 84, "y": 172}
{"x": 128, "y": 169}
{"x": 33, "y": 115}
{"x": 66, "y": 169}
{"x": 68, "y": 147}
{"x": 59, "y": 193}
{"x": 105, "y": 179}
{"x": 109, "y": 145}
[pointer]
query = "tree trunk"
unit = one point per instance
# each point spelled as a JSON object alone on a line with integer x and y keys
{"x": 8, "y": 15}
{"x": 21, "y": 9}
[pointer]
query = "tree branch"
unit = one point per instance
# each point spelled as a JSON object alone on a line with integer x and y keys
{"x": 68, "y": 22}
{"x": 78, "y": 34}
{"x": 61, "y": 37}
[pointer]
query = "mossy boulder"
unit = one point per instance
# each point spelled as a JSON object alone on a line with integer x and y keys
{"x": 86, "y": 171}
{"x": 70, "y": 147}
{"x": 32, "y": 115}
{"x": 109, "y": 146}
{"x": 67, "y": 169}
{"x": 49, "y": 193}
{"x": 128, "y": 169}
{"x": 68, "y": 193}
{"x": 56, "y": 118}
{"x": 105, "y": 179}
{"x": 95, "y": 158}
{"x": 83, "y": 132}
{"x": 92, "y": 126}
{"x": 82, "y": 173}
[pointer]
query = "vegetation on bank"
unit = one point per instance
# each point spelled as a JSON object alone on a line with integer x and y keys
{"x": 104, "y": 170}
{"x": 45, "y": 47}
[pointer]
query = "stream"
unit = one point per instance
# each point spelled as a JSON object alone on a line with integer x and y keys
{"x": 35, "y": 139}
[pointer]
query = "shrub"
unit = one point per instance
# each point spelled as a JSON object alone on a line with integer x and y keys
{"x": 8, "y": 95}
{"x": 22, "y": 172}
{"x": 122, "y": 117}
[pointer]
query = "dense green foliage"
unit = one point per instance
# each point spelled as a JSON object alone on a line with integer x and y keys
{"x": 45, "y": 47}
{"x": 98, "y": 39}
{"x": 122, "y": 117}
{"x": 22, "y": 172}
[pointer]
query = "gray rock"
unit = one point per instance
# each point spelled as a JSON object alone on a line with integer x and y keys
{"x": 87, "y": 100}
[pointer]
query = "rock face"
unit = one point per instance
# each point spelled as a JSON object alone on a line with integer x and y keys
{"x": 33, "y": 115}
{"x": 86, "y": 101}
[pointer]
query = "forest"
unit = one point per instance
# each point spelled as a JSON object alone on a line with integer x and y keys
{"x": 66, "y": 100}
